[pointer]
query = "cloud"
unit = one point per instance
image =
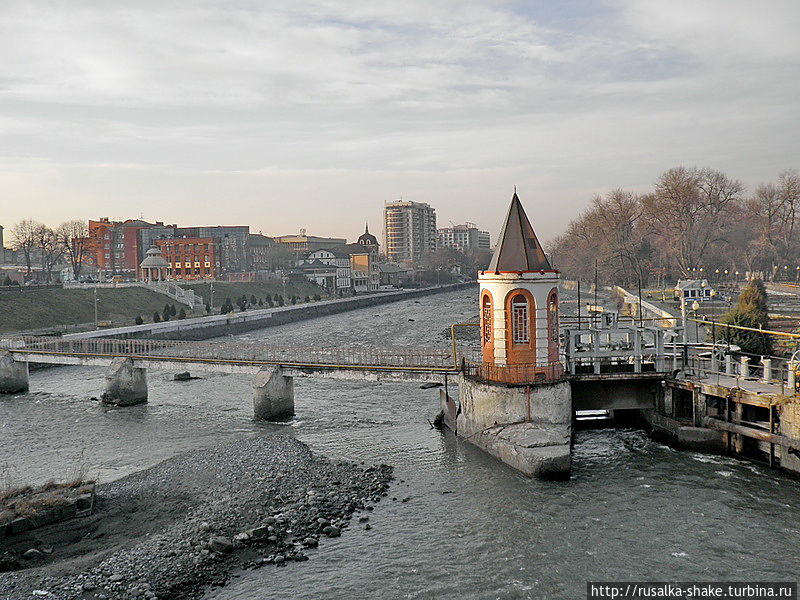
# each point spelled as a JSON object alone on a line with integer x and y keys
{"x": 568, "y": 98}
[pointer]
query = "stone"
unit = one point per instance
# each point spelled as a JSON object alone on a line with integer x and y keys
{"x": 331, "y": 531}
{"x": 182, "y": 376}
{"x": 116, "y": 578}
{"x": 221, "y": 545}
{"x": 31, "y": 553}
{"x": 310, "y": 542}
{"x": 205, "y": 527}
{"x": 241, "y": 537}
{"x": 259, "y": 532}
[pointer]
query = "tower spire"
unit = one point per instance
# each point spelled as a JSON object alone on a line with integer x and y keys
{"x": 518, "y": 248}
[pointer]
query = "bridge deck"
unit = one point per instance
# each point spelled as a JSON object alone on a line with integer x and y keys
{"x": 231, "y": 356}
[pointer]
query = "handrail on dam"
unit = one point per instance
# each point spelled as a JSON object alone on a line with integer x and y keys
{"x": 241, "y": 353}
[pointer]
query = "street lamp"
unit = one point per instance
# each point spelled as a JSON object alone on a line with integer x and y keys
{"x": 95, "y": 307}
{"x": 695, "y": 308}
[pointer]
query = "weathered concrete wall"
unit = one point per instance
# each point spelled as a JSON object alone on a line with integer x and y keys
{"x": 528, "y": 428}
{"x": 487, "y": 404}
{"x": 273, "y": 395}
{"x": 677, "y": 433}
{"x": 125, "y": 384}
{"x": 13, "y": 374}
{"x": 202, "y": 328}
{"x": 790, "y": 427}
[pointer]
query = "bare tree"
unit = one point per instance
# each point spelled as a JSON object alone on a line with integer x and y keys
{"x": 74, "y": 239}
{"x": 687, "y": 212}
{"x": 50, "y": 250}
{"x": 23, "y": 239}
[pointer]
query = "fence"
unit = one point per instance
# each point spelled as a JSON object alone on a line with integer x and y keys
{"x": 514, "y": 374}
{"x": 233, "y": 352}
{"x": 717, "y": 361}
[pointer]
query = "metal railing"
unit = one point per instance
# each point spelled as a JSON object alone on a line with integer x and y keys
{"x": 233, "y": 352}
{"x": 514, "y": 374}
{"x": 717, "y": 362}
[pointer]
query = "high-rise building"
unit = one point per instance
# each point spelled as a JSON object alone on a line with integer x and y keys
{"x": 409, "y": 230}
{"x": 463, "y": 237}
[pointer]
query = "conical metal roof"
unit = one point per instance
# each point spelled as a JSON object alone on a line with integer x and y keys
{"x": 154, "y": 260}
{"x": 518, "y": 248}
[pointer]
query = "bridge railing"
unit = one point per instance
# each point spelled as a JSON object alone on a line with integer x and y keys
{"x": 515, "y": 374}
{"x": 717, "y": 361}
{"x": 233, "y": 352}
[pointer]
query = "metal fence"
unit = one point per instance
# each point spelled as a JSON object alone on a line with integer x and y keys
{"x": 514, "y": 374}
{"x": 233, "y": 352}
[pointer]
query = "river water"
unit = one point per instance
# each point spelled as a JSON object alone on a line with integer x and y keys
{"x": 470, "y": 528}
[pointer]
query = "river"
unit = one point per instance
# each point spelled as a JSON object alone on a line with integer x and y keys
{"x": 470, "y": 527}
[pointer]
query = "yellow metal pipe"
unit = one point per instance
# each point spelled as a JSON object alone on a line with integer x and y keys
{"x": 453, "y": 338}
{"x": 741, "y": 327}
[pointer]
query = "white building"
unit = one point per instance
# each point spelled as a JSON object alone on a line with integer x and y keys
{"x": 463, "y": 237}
{"x": 694, "y": 289}
{"x": 409, "y": 230}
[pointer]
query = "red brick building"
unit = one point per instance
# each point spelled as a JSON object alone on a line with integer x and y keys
{"x": 190, "y": 257}
{"x": 114, "y": 245}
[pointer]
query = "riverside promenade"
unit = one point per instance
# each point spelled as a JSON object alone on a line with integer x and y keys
{"x": 203, "y": 328}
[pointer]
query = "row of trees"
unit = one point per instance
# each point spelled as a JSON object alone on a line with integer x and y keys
{"x": 692, "y": 218}
{"x": 36, "y": 241}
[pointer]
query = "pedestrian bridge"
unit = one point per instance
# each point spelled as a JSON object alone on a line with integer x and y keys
{"x": 274, "y": 367}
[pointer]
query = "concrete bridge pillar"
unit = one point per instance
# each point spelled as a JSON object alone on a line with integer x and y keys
{"x": 13, "y": 374}
{"x": 273, "y": 395}
{"x": 126, "y": 385}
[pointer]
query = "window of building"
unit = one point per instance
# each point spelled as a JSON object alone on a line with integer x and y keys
{"x": 487, "y": 320}
{"x": 519, "y": 319}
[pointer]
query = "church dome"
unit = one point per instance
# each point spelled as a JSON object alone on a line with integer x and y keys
{"x": 367, "y": 239}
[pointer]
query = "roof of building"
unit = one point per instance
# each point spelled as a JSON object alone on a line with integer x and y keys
{"x": 391, "y": 268}
{"x": 366, "y": 238}
{"x": 518, "y": 248}
{"x": 691, "y": 283}
{"x": 154, "y": 260}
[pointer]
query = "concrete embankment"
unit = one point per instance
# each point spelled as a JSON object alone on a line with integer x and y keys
{"x": 202, "y": 328}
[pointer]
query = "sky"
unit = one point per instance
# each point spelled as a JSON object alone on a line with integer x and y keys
{"x": 284, "y": 115}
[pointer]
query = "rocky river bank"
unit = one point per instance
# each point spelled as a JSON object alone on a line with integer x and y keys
{"x": 192, "y": 521}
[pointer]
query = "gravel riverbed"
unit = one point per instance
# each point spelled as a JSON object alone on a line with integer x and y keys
{"x": 194, "y": 520}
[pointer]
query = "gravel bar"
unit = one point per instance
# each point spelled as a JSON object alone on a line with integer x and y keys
{"x": 175, "y": 529}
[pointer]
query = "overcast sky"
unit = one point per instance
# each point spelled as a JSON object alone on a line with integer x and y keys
{"x": 289, "y": 114}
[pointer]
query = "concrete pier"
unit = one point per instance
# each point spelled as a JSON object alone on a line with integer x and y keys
{"x": 273, "y": 395}
{"x": 13, "y": 375}
{"x": 126, "y": 385}
{"x": 526, "y": 427}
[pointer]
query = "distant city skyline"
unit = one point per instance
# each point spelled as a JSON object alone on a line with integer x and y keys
{"x": 311, "y": 115}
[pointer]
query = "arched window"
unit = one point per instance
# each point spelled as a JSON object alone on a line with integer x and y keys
{"x": 487, "y": 320}
{"x": 519, "y": 320}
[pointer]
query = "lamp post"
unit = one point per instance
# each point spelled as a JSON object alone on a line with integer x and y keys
{"x": 695, "y": 308}
{"x": 683, "y": 315}
{"x": 95, "y": 307}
